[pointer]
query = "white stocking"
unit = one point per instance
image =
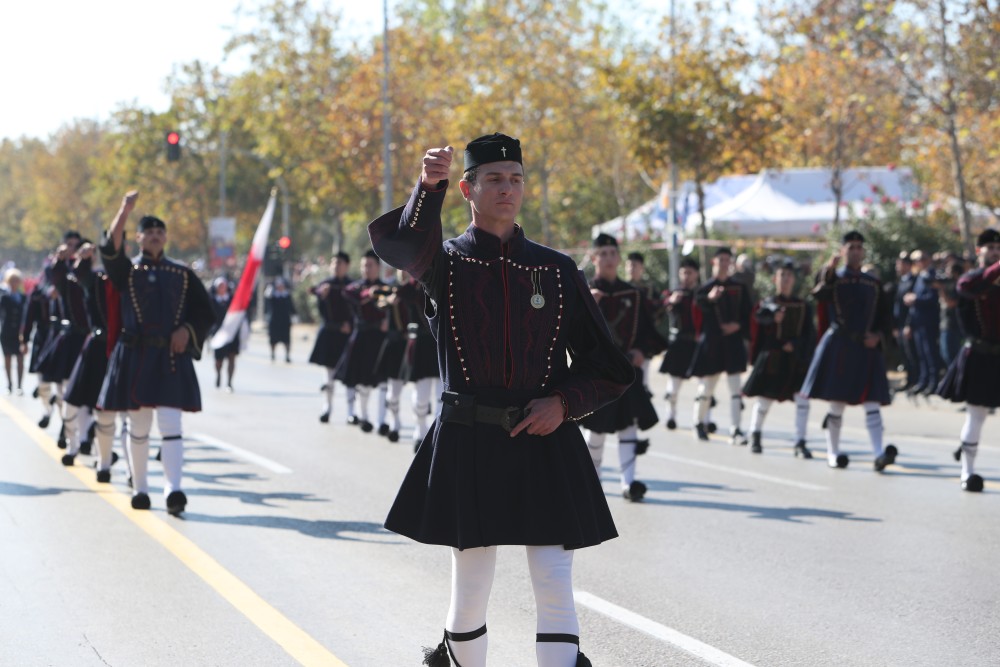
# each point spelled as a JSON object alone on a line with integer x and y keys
{"x": 706, "y": 387}
{"x": 873, "y": 421}
{"x": 834, "y": 421}
{"x": 105, "y": 436}
{"x": 801, "y": 416}
{"x": 551, "y": 569}
{"x": 472, "y": 573}
{"x": 172, "y": 450}
{"x": 759, "y": 413}
{"x": 421, "y": 407}
{"x": 140, "y": 422}
{"x": 626, "y": 454}
{"x": 735, "y": 401}
{"x": 392, "y": 401}
{"x": 673, "y": 389}
{"x": 975, "y": 417}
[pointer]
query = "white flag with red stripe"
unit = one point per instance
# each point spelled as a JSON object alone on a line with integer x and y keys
{"x": 236, "y": 321}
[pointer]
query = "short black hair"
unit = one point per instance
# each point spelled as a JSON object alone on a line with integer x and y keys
{"x": 636, "y": 256}
{"x": 343, "y": 256}
{"x": 470, "y": 175}
{"x": 690, "y": 263}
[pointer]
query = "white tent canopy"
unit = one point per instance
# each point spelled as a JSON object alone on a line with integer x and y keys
{"x": 800, "y": 202}
{"x": 791, "y": 203}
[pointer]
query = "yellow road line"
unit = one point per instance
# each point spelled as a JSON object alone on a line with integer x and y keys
{"x": 295, "y": 641}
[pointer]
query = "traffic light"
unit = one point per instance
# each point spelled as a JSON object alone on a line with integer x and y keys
{"x": 173, "y": 146}
{"x": 284, "y": 246}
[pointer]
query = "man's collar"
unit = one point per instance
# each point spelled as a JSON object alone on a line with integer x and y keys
{"x": 478, "y": 242}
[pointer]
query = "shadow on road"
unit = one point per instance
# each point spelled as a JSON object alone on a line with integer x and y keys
{"x": 789, "y": 514}
{"x": 251, "y": 498}
{"x": 330, "y": 530}
{"x": 15, "y": 489}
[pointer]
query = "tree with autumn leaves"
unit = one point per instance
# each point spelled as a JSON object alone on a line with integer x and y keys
{"x": 602, "y": 115}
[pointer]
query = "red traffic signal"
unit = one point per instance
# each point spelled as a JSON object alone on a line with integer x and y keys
{"x": 173, "y": 146}
{"x": 284, "y": 243}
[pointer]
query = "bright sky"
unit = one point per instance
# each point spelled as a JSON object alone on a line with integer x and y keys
{"x": 66, "y": 60}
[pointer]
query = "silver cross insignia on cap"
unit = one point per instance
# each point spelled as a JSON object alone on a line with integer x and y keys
{"x": 503, "y": 150}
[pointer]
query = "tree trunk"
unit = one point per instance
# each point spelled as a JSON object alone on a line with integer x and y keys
{"x": 952, "y": 129}
{"x": 703, "y": 226}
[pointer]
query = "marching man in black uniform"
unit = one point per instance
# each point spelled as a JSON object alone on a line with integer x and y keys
{"x": 334, "y": 331}
{"x": 624, "y": 309}
{"x": 973, "y": 374}
{"x": 849, "y": 367}
{"x": 357, "y": 366}
{"x": 684, "y": 323}
{"x": 782, "y": 350}
{"x": 420, "y": 362}
{"x": 503, "y": 464}
{"x": 163, "y": 315}
{"x": 722, "y": 346}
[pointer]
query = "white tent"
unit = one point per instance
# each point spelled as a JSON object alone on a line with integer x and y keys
{"x": 790, "y": 203}
{"x": 800, "y": 203}
{"x": 650, "y": 219}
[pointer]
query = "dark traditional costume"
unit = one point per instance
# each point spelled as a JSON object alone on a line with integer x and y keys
{"x": 717, "y": 353}
{"x": 158, "y": 296}
{"x": 845, "y": 371}
{"x": 336, "y": 322}
{"x": 778, "y": 373}
{"x": 973, "y": 375}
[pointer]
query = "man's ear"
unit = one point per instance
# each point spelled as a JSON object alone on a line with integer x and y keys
{"x": 465, "y": 188}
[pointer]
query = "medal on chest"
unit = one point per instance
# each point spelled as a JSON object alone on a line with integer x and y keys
{"x": 537, "y": 300}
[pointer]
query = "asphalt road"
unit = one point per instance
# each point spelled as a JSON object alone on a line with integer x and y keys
{"x": 281, "y": 558}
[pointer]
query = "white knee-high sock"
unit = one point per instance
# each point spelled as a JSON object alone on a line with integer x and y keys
{"x": 382, "y": 402}
{"x": 758, "y": 413}
{"x": 421, "y": 407}
{"x": 472, "y": 573}
{"x": 140, "y": 422}
{"x": 363, "y": 393}
{"x": 595, "y": 442}
{"x": 975, "y": 417}
{"x": 873, "y": 421}
{"x": 172, "y": 458}
{"x": 105, "y": 436}
{"x": 351, "y": 395}
{"x": 706, "y": 387}
{"x": 71, "y": 427}
{"x": 801, "y": 416}
{"x": 673, "y": 389}
{"x": 328, "y": 390}
{"x": 626, "y": 454}
{"x": 735, "y": 401}
{"x": 45, "y": 395}
{"x": 834, "y": 421}
{"x": 392, "y": 401}
{"x": 551, "y": 569}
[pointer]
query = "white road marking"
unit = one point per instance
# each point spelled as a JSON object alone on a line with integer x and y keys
{"x": 691, "y": 645}
{"x": 742, "y": 473}
{"x": 240, "y": 452}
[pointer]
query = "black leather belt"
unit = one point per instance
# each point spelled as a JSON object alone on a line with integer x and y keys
{"x": 463, "y": 409}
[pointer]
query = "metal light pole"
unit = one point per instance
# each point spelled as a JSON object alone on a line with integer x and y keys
{"x": 675, "y": 255}
{"x": 386, "y": 116}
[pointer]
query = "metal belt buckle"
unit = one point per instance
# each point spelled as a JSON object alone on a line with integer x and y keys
{"x": 511, "y": 418}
